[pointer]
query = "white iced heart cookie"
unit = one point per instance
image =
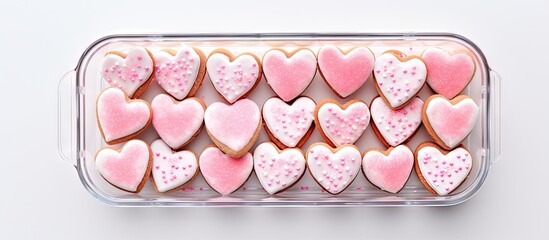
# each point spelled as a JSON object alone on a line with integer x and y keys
{"x": 342, "y": 124}
{"x": 233, "y": 76}
{"x": 278, "y": 170}
{"x": 129, "y": 71}
{"x": 398, "y": 78}
{"x": 394, "y": 127}
{"x": 442, "y": 171}
{"x": 289, "y": 125}
{"x": 172, "y": 170}
{"x": 180, "y": 73}
{"x": 333, "y": 169}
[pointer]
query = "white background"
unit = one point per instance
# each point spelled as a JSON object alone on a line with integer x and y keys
{"x": 42, "y": 198}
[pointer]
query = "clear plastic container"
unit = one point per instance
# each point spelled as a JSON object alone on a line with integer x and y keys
{"x": 80, "y": 138}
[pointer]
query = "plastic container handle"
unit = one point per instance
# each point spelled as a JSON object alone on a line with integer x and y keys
{"x": 65, "y": 118}
{"x": 495, "y": 114}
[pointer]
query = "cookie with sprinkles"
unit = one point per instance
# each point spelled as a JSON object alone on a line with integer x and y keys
{"x": 341, "y": 124}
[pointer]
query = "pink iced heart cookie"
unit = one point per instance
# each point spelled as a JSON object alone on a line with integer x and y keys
{"x": 233, "y": 77}
{"x": 127, "y": 168}
{"x": 172, "y": 170}
{"x": 224, "y": 173}
{"x": 341, "y": 124}
{"x": 233, "y": 128}
{"x": 180, "y": 73}
{"x": 119, "y": 117}
{"x": 278, "y": 170}
{"x": 131, "y": 71}
{"x": 289, "y": 125}
{"x": 345, "y": 71}
{"x": 333, "y": 169}
{"x": 449, "y": 72}
{"x": 449, "y": 122}
{"x": 176, "y": 122}
{"x": 289, "y": 74}
{"x": 441, "y": 171}
{"x": 394, "y": 127}
{"x": 388, "y": 170}
{"x": 398, "y": 78}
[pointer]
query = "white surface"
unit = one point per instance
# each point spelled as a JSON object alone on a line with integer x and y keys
{"x": 42, "y": 197}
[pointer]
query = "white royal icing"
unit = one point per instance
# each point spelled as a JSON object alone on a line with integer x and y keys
{"x": 177, "y": 74}
{"x": 233, "y": 79}
{"x": 396, "y": 126}
{"x": 171, "y": 169}
{"x": 444, "y": 173}
{"x": 343, "y": 126}
{"x": 277, "y": 171}
{"x": 289, "y": 123}
{"x": 127, "y": 73}
{"x": 334, "y": 171}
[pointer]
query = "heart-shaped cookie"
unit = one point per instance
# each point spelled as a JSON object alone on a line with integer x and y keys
{"x": 278, "y": 170}
{"x": 394, "y": 127}
{"x": 449, "y": 122}
{"x": 388, "y": 170}
{"x": 442, "y": 171}
{"x": 345, "y": 71}
{"x": 131, "y": 71}
{"x": 177, "y": 122}
{"x": 289, "y": 73}
{"x": 120, "y": 118}
{"x": 289, "y": 125}
{"x": 224, "y": 173}
{"x": 449, "y": 72}
{"x": 233, "y": 128}
{"x": 398, "y": 78}
{"x": 180, "y": 73}
{"x": 172, "y": 170}
{"x": 127, "y": 168}
{"x": 341, "y": 124}
{"x": 333, "y": 169}
{"x": 234, "y": 77}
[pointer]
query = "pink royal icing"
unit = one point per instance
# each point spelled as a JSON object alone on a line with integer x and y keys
{"x": 170, "y": 169}
{"x": 449, "y": 73}
{"x": 125, "y": 169}
{"x": 343, "y": 126}
{"x": 128, "y": 73}
{"x": 176, "y": 122}
{"x": 389, "y": 172}
{"x": 333, "y": 171}
{"x": 345, "y": 73}
{"x": 119, "y": 118}
{"x": 276, "y": 170}
{"x": 177, "y": 74}
{"x": 224, "y": 173}
{"x": 289, "y": 76}
{"x": 233, "y": 125}
{"x": 396, "y": 126}
{"x": 289, "y": 123}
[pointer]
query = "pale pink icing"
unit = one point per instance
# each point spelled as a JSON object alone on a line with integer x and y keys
{"x": 176, "y": 123}
{"x": 452, "y": 123}
{"x": 233, "y": 125}
{"x": 119, "y": 118}
{"x": 391, "y": 172}
{"x": 222, "y": 172}
{"x": 127, "y": 73}
{"x": 126, "y": 169}
{"x": 171, "y": 169}
{"x": 289, "y": 123}
{"x": 444, "y": 173}
{"x": 448, "y": 74}
{"x": 345, "y": 73}
{"x": 396, "y": 126}
{"x": 343, "y": 126}
{"x": 289, "y": 77}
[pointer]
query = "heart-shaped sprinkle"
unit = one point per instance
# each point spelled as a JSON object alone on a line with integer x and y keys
{"x": 223, "y": 173}
{"x": 128, "y": 71}
{"x": 394, "y": 127}
{"x": 391, "y": 171}
{"x": 449, "y": 121}
{"x": 289, "y": 124}
{"x": 398, "y": 78}
{"x": 176, "y": 122}
{"x": 127, "y": 168}
{"x": 120, "y": 118}
{"x": 289, "y": 74}
{"x": 233, "y": 128}
{"x": 180, "y": 73}
{"x": 233, "y": 77}
{"x": 442, "y": 171}
{"x": 342, "y": 124}
{"x": 278, "y": 170}
{"x": 333, "y": 169}
{"x": 172, "y": 170}
{"x": 449, "y": 73}
{"x": 345, "y": 71}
